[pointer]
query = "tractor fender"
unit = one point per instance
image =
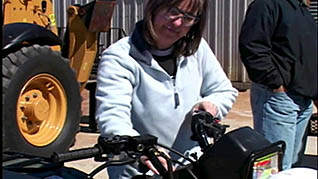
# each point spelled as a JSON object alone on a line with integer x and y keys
{"x": 26, "y": 34}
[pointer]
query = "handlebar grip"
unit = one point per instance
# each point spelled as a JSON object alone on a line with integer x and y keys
{"x": 76, "y": 154}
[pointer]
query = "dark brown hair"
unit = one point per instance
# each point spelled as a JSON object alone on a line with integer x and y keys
{"x": 187, "y": 45}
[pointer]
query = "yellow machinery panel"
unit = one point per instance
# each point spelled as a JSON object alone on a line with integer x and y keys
{"x": 38, "y": 12}
{"x": 84, "y": 24}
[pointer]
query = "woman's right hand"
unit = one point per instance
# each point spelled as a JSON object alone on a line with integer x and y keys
{"x": 145, "y": 160}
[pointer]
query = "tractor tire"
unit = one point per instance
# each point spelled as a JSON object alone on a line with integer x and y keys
{"x": 41, "y": 102}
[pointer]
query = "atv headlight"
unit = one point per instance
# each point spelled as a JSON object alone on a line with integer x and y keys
{"x": 266, "y": 166}
{"x": 241, "y": 153}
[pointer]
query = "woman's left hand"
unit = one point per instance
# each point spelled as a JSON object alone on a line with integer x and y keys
{"x": 206, "y": 106}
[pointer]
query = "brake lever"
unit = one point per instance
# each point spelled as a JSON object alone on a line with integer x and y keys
{"x": 199, "y": 133}
{"x": 203, "y": 126}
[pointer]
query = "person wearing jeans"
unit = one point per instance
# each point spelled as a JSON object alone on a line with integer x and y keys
{"x": 278, "y": 46}
{"x": 281, "y": 116}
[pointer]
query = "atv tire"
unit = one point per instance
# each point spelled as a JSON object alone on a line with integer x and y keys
{"x": 41, "y": 102}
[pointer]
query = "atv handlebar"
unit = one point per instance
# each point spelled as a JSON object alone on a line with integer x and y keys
{"x": 137, "y": 145}
{"x": 76, "y": 154}
{"x": 108, "y": 145}
{"x": 203, "y": 125}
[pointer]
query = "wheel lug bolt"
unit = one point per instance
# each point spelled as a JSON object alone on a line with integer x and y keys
{"x": 24, "y": 118}
{"x": 27, "y": 98}
{"x": 35, "y": 95}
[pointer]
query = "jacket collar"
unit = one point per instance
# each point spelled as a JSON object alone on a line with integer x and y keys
{"x": 139, "y": 43}
{"x": 138, "y": 39}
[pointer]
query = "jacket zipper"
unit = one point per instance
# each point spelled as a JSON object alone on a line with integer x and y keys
{"x": 176, "y": 95}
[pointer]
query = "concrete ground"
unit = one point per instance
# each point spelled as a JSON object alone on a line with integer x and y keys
{"x": 240, "y": 115}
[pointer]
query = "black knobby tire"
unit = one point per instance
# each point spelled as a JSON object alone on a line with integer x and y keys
{"x": 41, "y": 102}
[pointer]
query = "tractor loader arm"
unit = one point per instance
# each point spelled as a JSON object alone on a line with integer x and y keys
{"x": 81, "y": 39}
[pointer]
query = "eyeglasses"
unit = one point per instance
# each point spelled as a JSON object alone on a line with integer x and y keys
{"x": 175, "y": 13}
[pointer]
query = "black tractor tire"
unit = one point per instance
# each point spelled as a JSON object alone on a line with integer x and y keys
{"x": 41, "y": 102}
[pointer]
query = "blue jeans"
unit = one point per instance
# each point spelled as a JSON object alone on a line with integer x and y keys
{"x": 282, "y": 116}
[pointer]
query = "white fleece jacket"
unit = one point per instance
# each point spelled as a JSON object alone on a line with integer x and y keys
{"x": 136, "y": 96}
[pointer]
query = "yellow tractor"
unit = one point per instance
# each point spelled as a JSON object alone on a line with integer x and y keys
{"x": 43, "y": 75}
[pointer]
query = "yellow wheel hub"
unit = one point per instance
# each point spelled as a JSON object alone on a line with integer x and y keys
{"x": 41, "y": 110}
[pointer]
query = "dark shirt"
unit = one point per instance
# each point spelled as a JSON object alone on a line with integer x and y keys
{"x": 278, "y": 46}
{"x": 168, "y": 63}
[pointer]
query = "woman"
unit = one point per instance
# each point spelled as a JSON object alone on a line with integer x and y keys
{"x": 148, "y": 82}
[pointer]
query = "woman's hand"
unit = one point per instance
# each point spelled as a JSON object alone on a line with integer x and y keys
{"x": 206, "y": 106}
{"x": 145, "y": 160}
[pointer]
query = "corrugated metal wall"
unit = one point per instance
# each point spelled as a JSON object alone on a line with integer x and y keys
{"x": 223, "y": 26}
{"x": 313, "y": 8}
{"x": 222, "y": 31}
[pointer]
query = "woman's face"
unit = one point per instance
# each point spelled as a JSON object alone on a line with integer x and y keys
{"x": 171, "y": 24}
